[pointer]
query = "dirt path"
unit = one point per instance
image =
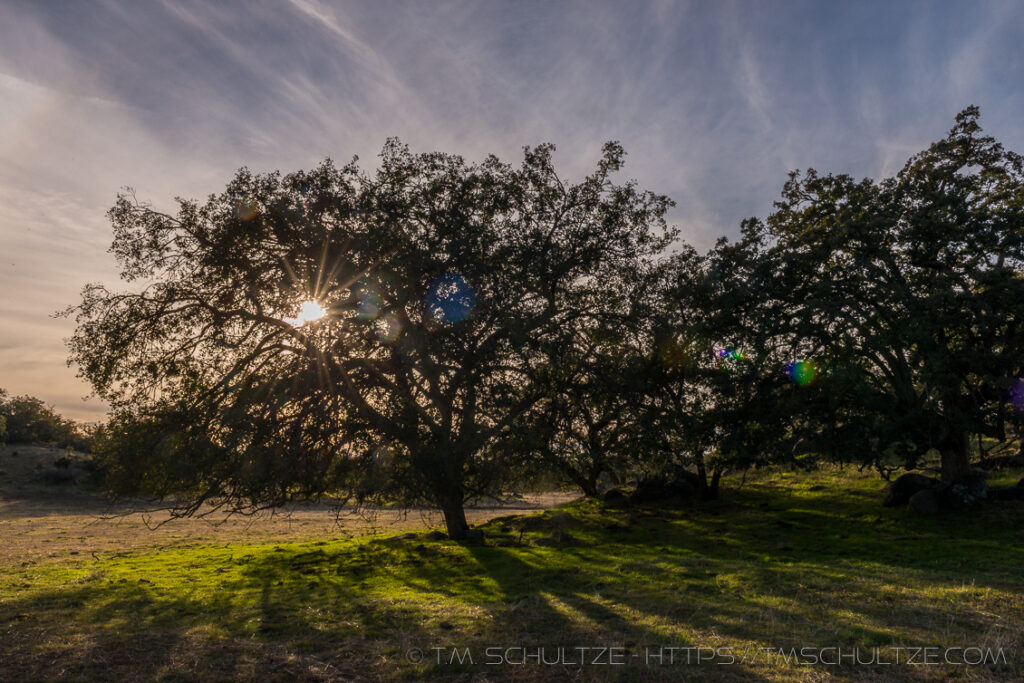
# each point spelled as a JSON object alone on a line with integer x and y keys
{"x": 38, "y": 528}
{"x": 41, "y": 522}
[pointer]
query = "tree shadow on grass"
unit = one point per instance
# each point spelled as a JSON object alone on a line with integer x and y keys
{"x": 765, "y": 568}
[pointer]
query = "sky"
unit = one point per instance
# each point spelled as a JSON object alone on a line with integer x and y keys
{"x": 714, "y": 102}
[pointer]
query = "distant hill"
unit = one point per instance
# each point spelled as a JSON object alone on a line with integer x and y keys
{"x": 37, "y": 468}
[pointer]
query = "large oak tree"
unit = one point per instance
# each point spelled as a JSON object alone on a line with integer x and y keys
{"x": 342, "y": 331}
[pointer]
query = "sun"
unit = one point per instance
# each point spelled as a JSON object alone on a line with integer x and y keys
{"x": 308, "y": 312}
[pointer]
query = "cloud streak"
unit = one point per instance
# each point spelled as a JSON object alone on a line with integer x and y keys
{"x": 714, "y": 102}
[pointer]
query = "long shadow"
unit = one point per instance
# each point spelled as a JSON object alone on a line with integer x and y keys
{"x": 765, "y": 563}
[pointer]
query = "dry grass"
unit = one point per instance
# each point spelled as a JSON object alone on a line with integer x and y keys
{"x": 779, "y": 563}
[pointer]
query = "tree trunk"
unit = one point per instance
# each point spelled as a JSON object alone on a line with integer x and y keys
{"x": 716, "y": 477}
{"x": 705, "y": 490}
{"x": 956, "y": 461}
{"x": 589, "y": 486}
{"x": 709, "y": 491}
{"x": 455, "y": 518}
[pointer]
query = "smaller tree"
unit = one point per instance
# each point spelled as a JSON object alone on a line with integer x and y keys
{"x": 27, "y": 419}
{"x": 724, "y": 397}
{"x": 913, "y": 288}
{"x": 592, "y": 428}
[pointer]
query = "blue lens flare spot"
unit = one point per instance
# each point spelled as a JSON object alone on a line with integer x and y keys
{"x": 1017, "y": 396}
{"x": 729, "y": 354}
{"x": 450, "y": 299}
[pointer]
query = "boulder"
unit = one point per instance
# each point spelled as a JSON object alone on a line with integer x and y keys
{"x": 691, "y": 478}
{"x": 900, "y": 491}
{"x": 964, "y": 493}
{"x": 1006, "y": 493}
{"x": 59, "y": 476}
{"x": 681, "y": 488}
{"x": 556, "y": 538}
{"x": 474, "y": 536}
{"x": 530, "y": 523}
{"x": 655, "y": 489}
{"x": 614, "y": 496}
{"x": 504, "y": 540}
{"x": 562, "y": 520}
{"x": 925, "y": 502}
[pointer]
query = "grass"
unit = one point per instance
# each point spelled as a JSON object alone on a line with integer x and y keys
{"x": 787, "y": 561}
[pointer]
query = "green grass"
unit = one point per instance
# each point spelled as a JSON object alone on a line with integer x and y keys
{"x": 774, "y": 564}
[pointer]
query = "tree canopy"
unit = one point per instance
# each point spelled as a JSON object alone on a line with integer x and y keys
{"x": 328, "y": 329}
{"x": 429, "y": 331}
{"x": 909, "y": 292}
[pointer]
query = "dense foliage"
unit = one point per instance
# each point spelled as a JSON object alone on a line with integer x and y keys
{"x": 453, "y": 296}
{"x": 26, "y": 419}
{"x": 436, "y": 330}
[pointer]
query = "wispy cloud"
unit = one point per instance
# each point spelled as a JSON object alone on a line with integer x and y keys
{"x": 713, "y": 101}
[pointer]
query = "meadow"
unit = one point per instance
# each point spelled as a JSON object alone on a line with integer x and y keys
{"x": 785, "y": 574}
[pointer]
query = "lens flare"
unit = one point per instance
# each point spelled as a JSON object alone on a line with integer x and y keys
{"x": 1017, "y": 396}
{"x": 308, "y": 312}
{"x": 246, "y": 210}
{"x": 368, "y": 301}
{"x": 801, "y": 372}
{"x": 450, "y": 299}
{"x": 389, "y": 327}
{"x": 729, "y": 354}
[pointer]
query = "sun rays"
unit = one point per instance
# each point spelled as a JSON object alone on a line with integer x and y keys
{"x": 309, "y": 311}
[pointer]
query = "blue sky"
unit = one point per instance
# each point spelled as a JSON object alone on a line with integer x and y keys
{"x": 714, "y": 102}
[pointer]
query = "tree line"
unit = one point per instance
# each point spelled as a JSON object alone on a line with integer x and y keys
{"x": 433, "y": 330}
{"x": 27, "y": 419}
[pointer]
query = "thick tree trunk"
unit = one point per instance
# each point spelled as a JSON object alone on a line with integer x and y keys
{"x": 956, "y": 460}
{"x": 589, "y": 486}
{"x": 707, "y": 490}
{"x": 716, "y": 477}
{"x": 455, "y": 518}
{"x": 955, "y": 463}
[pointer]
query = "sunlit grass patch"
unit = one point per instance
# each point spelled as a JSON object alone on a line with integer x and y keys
{"x": 783, "y": 562}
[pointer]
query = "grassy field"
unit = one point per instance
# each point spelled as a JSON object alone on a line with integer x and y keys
{"x": 785, "y": 561}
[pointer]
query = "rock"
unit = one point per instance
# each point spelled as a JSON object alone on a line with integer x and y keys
{"x": 649, "y": 490}
{"x": 925, "y": 502}
{"x": 1006, "y": 493}
{"x": 474, "y": 536}
{"x": 503, "y": 540}
{"x": 437, "y": 536}
{"x": 530, "y": 523}
{"x": 900, "y": 491}
{"x": 556, "y": 538}
{"x": 963, "y": 493}
{"x": 59, "y": 476}
{"x": 617, "y": 496}
{"x": 681, "y": 488}
{"x": 692, "y": 478}
{"x": 561, "y": 520}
